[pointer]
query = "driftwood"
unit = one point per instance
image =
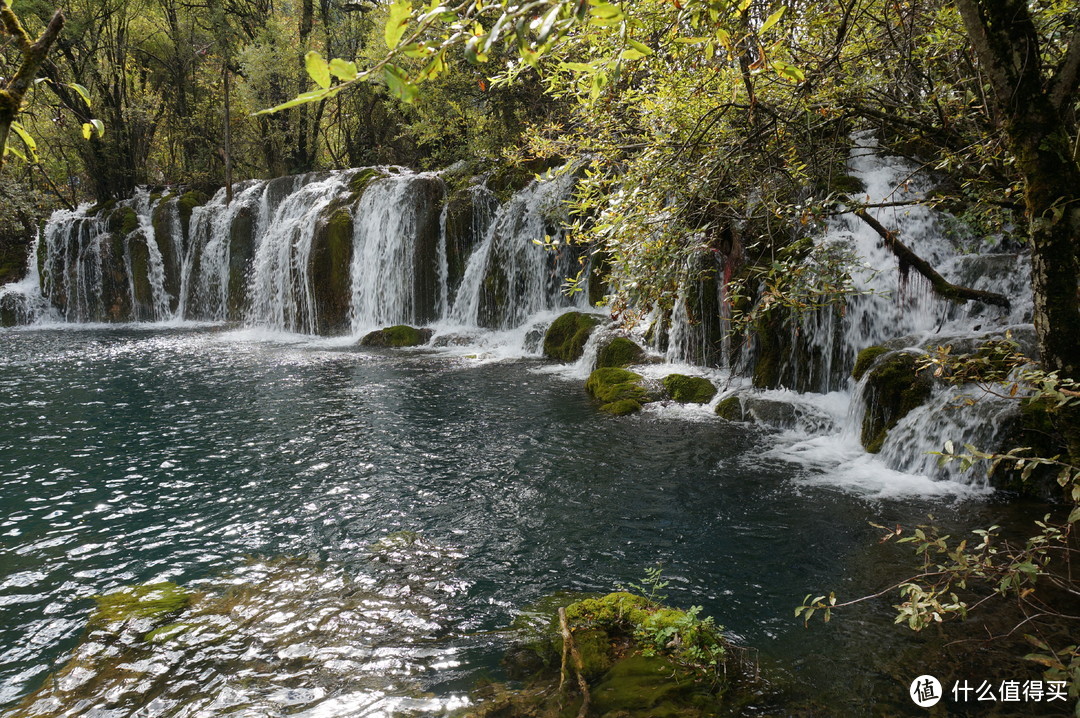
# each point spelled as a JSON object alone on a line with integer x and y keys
{"x": 941, "y": 286}
{"x": 579, "y": 667}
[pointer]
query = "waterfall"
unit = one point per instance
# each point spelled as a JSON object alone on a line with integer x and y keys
{"x": 397, "y": 260}
{"x": 511, "y": 275}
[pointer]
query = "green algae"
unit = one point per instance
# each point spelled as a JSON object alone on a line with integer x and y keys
{"x": 621, "y": 407}
{"x": 730, "y": 409}
{"x": 894, "y": 387}
{"x": 145, "y": 602}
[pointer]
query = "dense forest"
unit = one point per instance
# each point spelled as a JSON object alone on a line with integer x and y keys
{"x": 710, "y": 145}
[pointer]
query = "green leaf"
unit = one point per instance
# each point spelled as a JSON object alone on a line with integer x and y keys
{"x": 8, "y": 148}
{"x": 771, "y": 20}
{"x": 395, "y": 24}
{"x": 547, "y": 24}
{"x": 31, "y": 145}
{"x": 789, "y": 71}
{"x": 343, "y": 69}
{"x": 87, "y": 130}
{"x": 578, "y": 66}
{"x": 640, "y": 47}
{"x": 317, "y": 69}
{"x": 691, "y": 40}
{"x": 605, "y": 11}
{"x": 83, "y": 92}
{"x": 99, "y": 126}
{"x": 301, "y": 99}
{"x": 399, "y": 84}
{"x": 631, "y": 54}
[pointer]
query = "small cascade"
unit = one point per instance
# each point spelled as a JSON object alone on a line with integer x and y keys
{"x": 398, "y": 251}
{"x": 512, "y": 276}
{"x": 281, "y": 289}
{"x": 22, "y": 302}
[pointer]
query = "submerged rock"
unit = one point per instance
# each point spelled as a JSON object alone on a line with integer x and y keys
{"x": 565, "y": 338}
{"x": 689, "y": 389}
{"x": 894, "y": 386}
{"x": 635, "y": 658}
{"x": 397, "y": 336}
{"x": 619, "y": 352}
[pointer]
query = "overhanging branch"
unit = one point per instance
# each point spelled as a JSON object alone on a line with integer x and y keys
{"x": 941, "y": 286}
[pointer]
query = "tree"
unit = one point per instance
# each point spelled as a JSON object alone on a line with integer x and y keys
{"x": 1033, "y": 102}
{"x": 33, "y": 55}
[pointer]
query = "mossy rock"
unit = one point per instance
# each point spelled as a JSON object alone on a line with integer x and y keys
{"x": 689, "y": 389}
{"x": 866, "y": 359}
{"x": 565, "y": 338}
{"x": 730, "y": 409}
{"x": 401, "y": 335}
{"x": 848, "y": 184}
{"x": 611, "y": 384}
{"x": 620, "y": 609}
{"x": 360, "y": 181}
{"x": 646, "y": 686}
{"x": 188, "y": 202}
{"x": 151, "y": 602}
{"x": 894, "y": 387}
{"x": 1037, "y": 426}
{"x": 619, "y": 352}
{"x": 124, "y": 220}
{"x": 622, "y": 407}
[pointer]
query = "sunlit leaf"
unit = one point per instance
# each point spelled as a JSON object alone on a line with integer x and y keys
{"x": 317, "y": 68}
{"x": 395, "y": 24}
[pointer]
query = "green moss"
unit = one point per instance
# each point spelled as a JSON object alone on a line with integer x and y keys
{"x": 565, "y": 338}
{"x": 847, "y": 184}
{"x": 362, "y": 179}
{"x": 894, "y": 387}
{"x": 150, "y": 602}
{"x": 619, "y": 352}
{"x": 689, "y": 389}
{"x": 189, "y": 201}
{"x": 611, "y": 384}
{"x": 866, "y": 359}
{"x": 397, "y": 336}
{"x": 730, "y": 409}
{"x": 105, "y": 206}
{"x": 124, "y": 220}
{"x": 770, "y": 351}
{"x": 619, "y": 611}
{"x": 621, "y": 407}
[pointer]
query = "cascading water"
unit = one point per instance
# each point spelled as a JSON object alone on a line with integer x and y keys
{"x": 512, "y": 276}
{"x": 325, "y": 253}
{"x": 396, "y": 252}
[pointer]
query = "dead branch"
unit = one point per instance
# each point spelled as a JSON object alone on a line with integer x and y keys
{"x": 941, "y": 286}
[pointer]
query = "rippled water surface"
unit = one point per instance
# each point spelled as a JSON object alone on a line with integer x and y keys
{"x": 269, "y": 476}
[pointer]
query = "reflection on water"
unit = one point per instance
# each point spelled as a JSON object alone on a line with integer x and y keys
{"x": 139, "y": 456}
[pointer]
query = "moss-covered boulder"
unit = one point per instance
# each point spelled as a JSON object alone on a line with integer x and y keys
{"x": 894, "y": 386}
{"x": 397, "y": 336}
{"x": 613, "y": 384}
{"x": 619, "y": 352}
{"x": 866, "y": 359}
{"x": 142, "y": 290}
{"x": 689, "y": 389}
{"x": 186, "y": 204}
{"x": 123, "y": 220}
{"x": 329, "y": 264}
{"x": 621, "y": 407}
{"x": 730, "y": 409}
{"x": 636, "y": 657}
{"x": 565, "y": 338}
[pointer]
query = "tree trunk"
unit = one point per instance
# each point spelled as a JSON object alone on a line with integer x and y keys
{"x": 1007, "y": 44}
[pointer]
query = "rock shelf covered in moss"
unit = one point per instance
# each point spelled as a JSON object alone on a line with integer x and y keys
{"x": 397, "y": 336}
{"x": 689, "y": 389}
{"x": 565, "y": 338}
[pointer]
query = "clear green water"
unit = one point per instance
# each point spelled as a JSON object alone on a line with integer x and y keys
{"x": 204, "y": 458}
